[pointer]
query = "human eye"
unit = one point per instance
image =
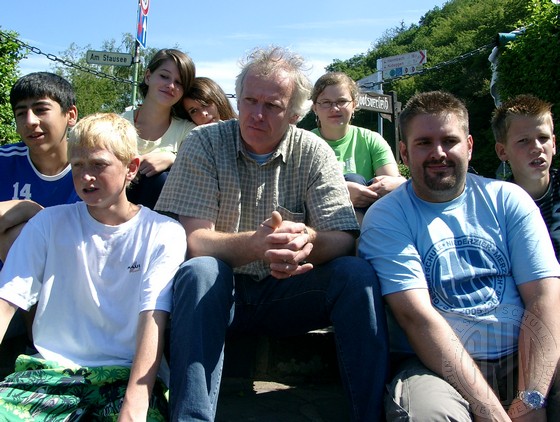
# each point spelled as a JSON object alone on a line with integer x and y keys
{"x": 193, "y": 111}
{"x": 250, "y": 101}
{"x": 273, "y": 106}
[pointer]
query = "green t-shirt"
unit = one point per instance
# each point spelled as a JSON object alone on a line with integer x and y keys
{"x": 361, "y": 151}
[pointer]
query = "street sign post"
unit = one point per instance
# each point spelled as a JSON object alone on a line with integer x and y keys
{"x": 108, "y": 58}
{"x": 403, "y": 64}
{"x": 141, "y": 31}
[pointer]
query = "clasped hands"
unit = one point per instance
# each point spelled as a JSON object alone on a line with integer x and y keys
{"x": 287, "y": 246}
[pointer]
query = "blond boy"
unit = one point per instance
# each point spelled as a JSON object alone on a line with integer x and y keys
{"x": 100, "y": 272}
{"x": 524, "y": 133}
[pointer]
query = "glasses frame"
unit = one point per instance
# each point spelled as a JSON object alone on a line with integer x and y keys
{"x": 327, "y": 105}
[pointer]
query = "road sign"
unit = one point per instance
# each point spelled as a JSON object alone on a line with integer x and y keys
{"x": 142, "y": 25}
{"x": 375, "y": 102}
{"x": 403, "y": 64}
{"x": 108, "y": 58}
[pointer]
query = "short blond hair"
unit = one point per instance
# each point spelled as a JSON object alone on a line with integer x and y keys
{"x": 108, "y": 131}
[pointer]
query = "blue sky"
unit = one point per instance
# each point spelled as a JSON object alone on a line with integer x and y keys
{"x": 216, "y": 34}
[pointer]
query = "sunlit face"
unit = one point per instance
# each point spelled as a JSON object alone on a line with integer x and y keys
{"x": 42, "y": 124}
{"x": 164, "y": 83}
{"x": 529, "y": 148}
{"x": 334, "y": 116}
{"x": 437, "y": 152}
{"x": 100, "y": 177}
{"x": 201, "y": 114}
{"x": 264, "y": 114}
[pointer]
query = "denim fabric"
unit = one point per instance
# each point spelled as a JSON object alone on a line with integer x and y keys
{"x": 343, "y": 293}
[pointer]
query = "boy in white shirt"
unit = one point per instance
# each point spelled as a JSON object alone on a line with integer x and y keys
{"x": 101, "y": 274}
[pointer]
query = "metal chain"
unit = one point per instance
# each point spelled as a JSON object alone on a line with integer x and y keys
{"x": 4, "y": 36}
{"x": 127, "y": 81}
{"x": 438, "y": 66}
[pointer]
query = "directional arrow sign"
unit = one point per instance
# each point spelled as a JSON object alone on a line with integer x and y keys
{"x": 403, "y": 64}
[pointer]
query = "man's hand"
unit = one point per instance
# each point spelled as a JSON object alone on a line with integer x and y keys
{"x": 383, "y": 184}
{"x": 360, "y": 195}
{"x": 288, "y": 245}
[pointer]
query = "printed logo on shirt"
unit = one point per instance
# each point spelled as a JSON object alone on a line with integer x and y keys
{"x": 135, "y": 267}
{"x": 466, "y": 275}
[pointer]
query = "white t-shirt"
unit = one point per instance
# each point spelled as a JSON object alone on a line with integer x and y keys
{"x": 91, "y": 280}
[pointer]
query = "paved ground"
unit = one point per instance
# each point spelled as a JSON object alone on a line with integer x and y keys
{"x": 248, "y": 401}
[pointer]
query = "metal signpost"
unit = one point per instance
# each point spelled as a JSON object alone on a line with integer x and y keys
{"x": 141, "y": 32}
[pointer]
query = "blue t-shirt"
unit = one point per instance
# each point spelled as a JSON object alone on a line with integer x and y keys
{"x": 21, "y": 180}
{"x": 470, "y": 253}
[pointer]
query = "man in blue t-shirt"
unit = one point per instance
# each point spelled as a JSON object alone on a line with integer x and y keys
{"x": 471, "y": 279}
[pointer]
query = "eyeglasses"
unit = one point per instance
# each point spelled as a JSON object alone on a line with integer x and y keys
{"x": 339, "y": 104}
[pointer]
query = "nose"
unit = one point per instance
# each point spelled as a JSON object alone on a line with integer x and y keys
{"x": 438, "y": 151}
{"x": 258, "y": 112}
{"x": 536, "y": 146}
{"x": 31, "y": 119}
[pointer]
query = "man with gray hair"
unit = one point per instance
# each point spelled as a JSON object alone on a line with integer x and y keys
{"x": 271, "y": 234}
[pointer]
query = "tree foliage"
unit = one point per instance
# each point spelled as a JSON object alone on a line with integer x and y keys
{"x": 10, "y": 55}
{"x": 529, "y": 64}
{"x": 448, "y": 33}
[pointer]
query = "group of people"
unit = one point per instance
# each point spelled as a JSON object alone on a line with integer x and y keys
{"x": 446, "y": 311}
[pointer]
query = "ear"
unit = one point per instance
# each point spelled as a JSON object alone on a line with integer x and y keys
{"x": 404, "y": 152}
{"x": 470, "y": 143}
{"x": 314, "y": 108}
{"x": 133, "y": 167}
{"x": 501, "y": 151}
{"x": 553, "y": 144}
{"x": 147, "y": 77}
{"x": 294, "y": 119}
{"x": 72, "y": 115}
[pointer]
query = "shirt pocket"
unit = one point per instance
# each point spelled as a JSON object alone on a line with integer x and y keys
{"x": 296, "y": 217}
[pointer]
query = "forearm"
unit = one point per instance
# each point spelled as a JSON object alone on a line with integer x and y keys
{"x": 16, "y": 212}
{"x": 441, "y": 351}
{"x": 328, "y": 245}
{"x": 143, "y": 374}
{"x": 235, "y": 249}
{"x": 538, "y": 348}
{"x": 7, "y": 311}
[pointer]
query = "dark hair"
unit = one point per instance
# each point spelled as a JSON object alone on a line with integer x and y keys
{"x": 435, "y": 103}
{"x": 186, "y": 71}
{"x": 206, "y": 92}
{"x": 521, "y": 105}
{"x": 43, "y": 85}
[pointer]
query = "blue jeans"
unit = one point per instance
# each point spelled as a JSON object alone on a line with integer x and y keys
{"x": 343, "y": 293}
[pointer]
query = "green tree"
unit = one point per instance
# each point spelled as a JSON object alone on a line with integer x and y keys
{"x": 10, "y": 55}
{"x": 529, "y": 64}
